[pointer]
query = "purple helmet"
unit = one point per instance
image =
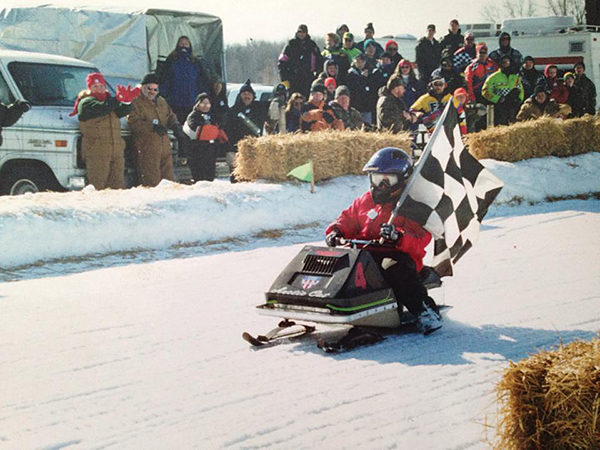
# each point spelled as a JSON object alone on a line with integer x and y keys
{"x": 389, "y": 169}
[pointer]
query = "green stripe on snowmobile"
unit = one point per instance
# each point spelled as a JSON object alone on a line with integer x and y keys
{"x": 365, "y": 306}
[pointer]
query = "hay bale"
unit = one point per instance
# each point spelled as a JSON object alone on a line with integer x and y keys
{"x": 523, "y": 140}
{"x": 583, "y": 135}
{"x": 334, "y": 153}
{"x": 551, "y": 400}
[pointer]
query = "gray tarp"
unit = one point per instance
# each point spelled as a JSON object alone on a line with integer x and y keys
{"x": 121, "y": 44}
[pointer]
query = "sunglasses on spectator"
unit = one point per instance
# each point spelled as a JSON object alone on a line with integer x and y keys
{"x": 392, "y": 48}
{"x": 438, "y": 83}
{"x": 152, "y": 89}
{"x": 470, "y": 39}
{"x": 405, "y": 67}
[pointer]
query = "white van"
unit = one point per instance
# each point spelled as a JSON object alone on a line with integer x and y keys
{"x": 42, "y": 151}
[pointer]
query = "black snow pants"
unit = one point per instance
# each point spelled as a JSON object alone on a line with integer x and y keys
{"x": 203, "y": 161}
{"x": 404, "y": 280}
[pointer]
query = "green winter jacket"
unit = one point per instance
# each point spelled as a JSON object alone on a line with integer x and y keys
{"x": 499, "y": 85}
{"x": 351, "y": 54}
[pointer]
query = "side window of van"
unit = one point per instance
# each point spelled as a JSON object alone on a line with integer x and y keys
{"x": 6, "y": 96}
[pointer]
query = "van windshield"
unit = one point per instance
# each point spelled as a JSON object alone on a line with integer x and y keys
{"x": 49, "y": 84}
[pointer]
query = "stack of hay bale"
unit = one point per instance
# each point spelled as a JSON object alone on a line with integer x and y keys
{"x": 333, "y": 153}
{"x": 536, "y": 138}
{"x": 551, "y": 400}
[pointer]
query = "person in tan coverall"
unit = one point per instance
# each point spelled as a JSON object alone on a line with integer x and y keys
{"x": 102, "y": 144}
{"x": 149, "y": 120}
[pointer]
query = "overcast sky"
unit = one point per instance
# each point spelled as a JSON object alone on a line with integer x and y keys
{"x": 278, "y": 19}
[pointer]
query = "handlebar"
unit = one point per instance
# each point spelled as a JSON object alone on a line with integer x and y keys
{"x": 359, "y": 243}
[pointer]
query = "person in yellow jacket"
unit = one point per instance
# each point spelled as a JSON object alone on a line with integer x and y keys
{"x": 150, "y": 118}
{"x": 428, "y": 108}
{"x": 504, "y": 89}
{"x": 103, "y": 147}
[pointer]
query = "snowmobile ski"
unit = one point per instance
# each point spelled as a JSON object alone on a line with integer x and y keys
{"x": 286, "y": 329}
{"x": 356, "y": 337}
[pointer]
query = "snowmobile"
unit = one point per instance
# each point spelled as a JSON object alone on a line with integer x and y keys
{"x": 338, "y": 286}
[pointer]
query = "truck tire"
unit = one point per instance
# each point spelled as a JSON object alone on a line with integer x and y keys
{"x": 24, "y": 181}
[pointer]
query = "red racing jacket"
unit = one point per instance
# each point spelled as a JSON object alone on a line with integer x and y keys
{"x": 363, "y": 219}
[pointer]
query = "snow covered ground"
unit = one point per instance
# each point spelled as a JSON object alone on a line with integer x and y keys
{"x": 175, "y": 217}
{"x": 130, "y": 338}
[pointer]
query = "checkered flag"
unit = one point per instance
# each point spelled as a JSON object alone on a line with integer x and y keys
{"x": 448, "y": 193}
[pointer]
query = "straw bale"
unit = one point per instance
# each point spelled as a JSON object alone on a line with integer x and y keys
{"x": 583, "y": 135}
{"x": 334, "y": 153}
{"x": 551, "y": 400}
{"x": 523, "y": 140}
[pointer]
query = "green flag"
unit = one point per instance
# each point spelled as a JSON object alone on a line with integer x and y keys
{"x": 303, "y": 172}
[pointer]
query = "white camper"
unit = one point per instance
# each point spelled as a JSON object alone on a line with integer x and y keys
{"x": 549, "y": 40}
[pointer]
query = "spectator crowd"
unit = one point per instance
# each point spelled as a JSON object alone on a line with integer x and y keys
{"x": 349, "y": 84}
{"x": 366, "y": 85}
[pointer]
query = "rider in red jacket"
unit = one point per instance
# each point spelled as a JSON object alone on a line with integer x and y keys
{"x": 400, "y": 259}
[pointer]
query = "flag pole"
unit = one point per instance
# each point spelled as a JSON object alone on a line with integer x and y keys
{"x": 312, "y": 179}
{"x": 419, "y": 164}
{"x": 422, "y": 158}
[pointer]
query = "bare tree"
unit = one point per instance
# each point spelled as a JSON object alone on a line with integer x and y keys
{"x": 575, "y": 8}
{"x": 254, "y": 60}
{"x": 509, "y": 9}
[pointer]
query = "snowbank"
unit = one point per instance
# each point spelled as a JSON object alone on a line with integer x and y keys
{"x": 50, "y": 226}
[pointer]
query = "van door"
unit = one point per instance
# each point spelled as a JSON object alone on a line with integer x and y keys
{"x": 12, "y": 136}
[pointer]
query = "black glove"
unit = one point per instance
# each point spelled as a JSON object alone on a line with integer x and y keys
{"x": 332, "y": 239}
{"x": 23, "y": 106}
{"x": 390, "y": 233}
{"x": 159, "y": 129}
{"x": 328, "y": 117}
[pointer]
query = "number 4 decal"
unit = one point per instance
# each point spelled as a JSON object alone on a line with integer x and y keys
{"x": 359, "y": 276}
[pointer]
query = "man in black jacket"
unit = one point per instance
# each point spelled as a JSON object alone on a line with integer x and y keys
{"x": 9, "y": 115}
{"x": 244, "y": 118}
{"x": 453, "y": 40}
{"x": 392, "y": 114}
{"x": 586, "y": 88}
{"x": 530, "y": 76}
{"x": 428, "y": 55}
{"x": 299, "y": 62}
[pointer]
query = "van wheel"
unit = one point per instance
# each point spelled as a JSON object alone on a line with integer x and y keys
{"x": 23, "y": 182}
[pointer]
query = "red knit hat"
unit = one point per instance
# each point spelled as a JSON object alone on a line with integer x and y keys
{"x": 390, "y": 42}
{"x": 95, "y": 78}
{"x": 481, "y": 46}
{"x": 330, "y": 81}
{"x": 92, "y": 78}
